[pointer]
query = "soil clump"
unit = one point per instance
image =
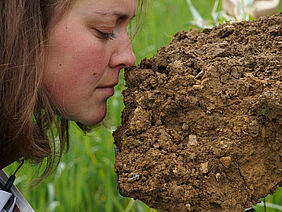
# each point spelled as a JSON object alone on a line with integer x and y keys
{"x": 202, "y": 124}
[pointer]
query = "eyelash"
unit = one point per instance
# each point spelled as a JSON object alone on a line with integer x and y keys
{"x": 105, "y": 35}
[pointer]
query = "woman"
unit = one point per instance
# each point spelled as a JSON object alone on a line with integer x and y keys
{"x": 60, "y": 60}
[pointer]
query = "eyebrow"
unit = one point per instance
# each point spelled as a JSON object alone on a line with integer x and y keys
{"x": 121, "y": 16}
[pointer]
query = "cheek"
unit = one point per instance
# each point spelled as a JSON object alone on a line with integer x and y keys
{"x": 74, "y": 66}
{"x": 86, "y": 65}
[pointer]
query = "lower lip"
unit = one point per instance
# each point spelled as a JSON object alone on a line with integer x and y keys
{"x": 108, "y": 91}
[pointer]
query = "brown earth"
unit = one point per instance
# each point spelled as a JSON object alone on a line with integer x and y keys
{"x": 202, "y": 124}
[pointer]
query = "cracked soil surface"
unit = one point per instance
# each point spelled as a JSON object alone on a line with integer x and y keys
{"x": 202, "y": 124}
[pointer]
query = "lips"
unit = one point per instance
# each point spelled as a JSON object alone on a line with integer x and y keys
{"x": 107, "y": 89}
{"x": 108, "y": 86}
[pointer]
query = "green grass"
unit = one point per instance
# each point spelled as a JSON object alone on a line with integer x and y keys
{"x": 85, "y": 180}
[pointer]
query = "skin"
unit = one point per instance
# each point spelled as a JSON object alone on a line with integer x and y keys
{"x": 85, "y": 51}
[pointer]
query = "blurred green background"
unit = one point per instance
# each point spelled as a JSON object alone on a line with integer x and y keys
{"x": 85, "y": 179}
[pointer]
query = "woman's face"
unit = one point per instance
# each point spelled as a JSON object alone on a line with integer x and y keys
{"x": 86, "y": 50}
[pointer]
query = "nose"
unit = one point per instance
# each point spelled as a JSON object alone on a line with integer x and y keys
{"x": 123, "y": 55}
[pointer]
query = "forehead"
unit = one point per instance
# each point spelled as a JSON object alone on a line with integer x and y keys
{"x": 108, "y": 7}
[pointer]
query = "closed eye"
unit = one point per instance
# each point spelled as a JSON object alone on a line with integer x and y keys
{"x": 105, "y": 35}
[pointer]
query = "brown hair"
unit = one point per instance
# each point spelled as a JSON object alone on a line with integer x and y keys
{"x": 29, "y": 124}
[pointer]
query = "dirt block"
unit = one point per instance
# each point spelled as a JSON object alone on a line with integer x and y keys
{"x": 202, "y": 124}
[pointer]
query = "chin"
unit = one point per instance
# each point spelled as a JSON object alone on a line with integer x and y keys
{"x": 88, "y": 117}
{"x": 93, "y": 118}
{"x": 92, "y": 122}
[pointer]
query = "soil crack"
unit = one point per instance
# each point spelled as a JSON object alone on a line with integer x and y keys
{"x": 248, "y": 190}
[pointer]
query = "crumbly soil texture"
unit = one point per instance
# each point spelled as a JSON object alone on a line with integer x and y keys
{"x": 202, "y": 124}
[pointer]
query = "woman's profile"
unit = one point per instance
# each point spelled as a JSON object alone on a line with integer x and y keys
{"x": 59, "y": 61}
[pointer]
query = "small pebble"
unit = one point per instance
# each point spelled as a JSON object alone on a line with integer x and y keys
{"x": 204, "y": 167}
{"x": 188, "y": 206}
{"x": 185, "y": 126}
{"x": 158, "y": 122}
{"x": 193, "y": 140}
{"x": 178, "y": 191}
{"x": 226, "y": 161}
{"x": 218, "y": 177}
